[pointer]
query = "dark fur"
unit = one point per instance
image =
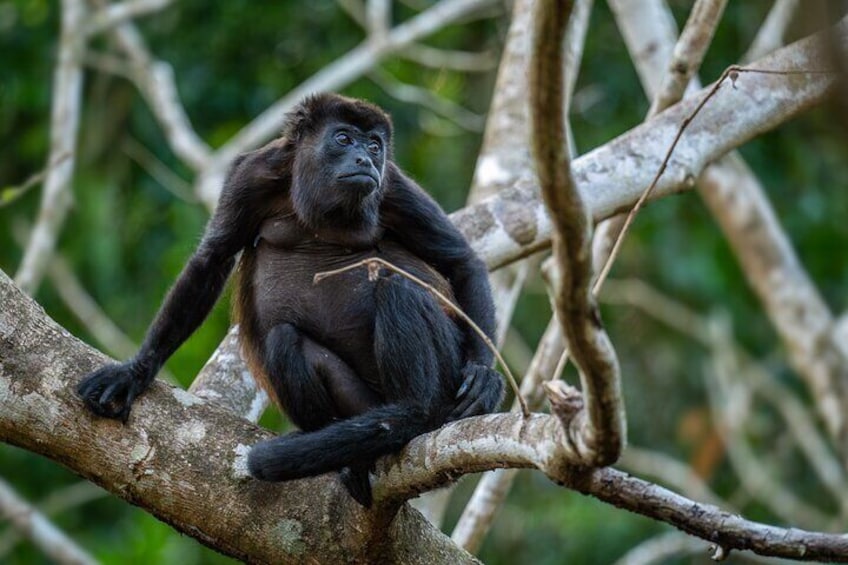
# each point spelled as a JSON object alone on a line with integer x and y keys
{"x": 360, "y": 366}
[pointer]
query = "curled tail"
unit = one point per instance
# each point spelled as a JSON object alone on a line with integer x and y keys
{"x": 351, "y": 442}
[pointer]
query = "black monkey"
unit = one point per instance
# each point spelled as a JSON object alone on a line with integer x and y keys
{"x": 360, "y": 366}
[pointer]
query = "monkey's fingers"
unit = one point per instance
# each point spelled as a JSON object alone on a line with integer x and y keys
{"x": 480, "y": 392}
{"x": 110, "y": 391}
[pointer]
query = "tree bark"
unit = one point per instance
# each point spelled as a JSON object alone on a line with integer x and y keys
{"x": 183, "y": 460}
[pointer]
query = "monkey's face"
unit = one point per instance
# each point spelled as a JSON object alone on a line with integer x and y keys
{"x": 338, "y": 175}
{"x": 355, "y": 157}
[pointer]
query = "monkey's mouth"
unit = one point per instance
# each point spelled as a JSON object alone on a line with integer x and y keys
{"x": 361, "y": 180}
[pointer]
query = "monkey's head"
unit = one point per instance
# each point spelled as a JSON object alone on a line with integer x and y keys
{"x": 341, "y": 149}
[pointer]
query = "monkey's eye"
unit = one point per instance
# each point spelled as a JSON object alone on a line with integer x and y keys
{"x": 343, "y": 139}
{"x": 374, "y": 147}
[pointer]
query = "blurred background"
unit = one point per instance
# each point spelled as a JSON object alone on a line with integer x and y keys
{"x": 135, "y": 220}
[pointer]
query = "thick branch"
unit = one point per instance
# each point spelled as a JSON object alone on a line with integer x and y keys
{"x": 183, "y": 459}
{"x": 491, "y": 491}
{"x": 226, "y": 380}
{"x": 511, "y": 441}
{"x": 610, "y": 178}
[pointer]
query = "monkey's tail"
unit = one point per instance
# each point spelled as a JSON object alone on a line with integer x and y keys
{"x": 354, "y": 441}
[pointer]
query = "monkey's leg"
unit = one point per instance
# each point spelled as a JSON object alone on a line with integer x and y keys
{"x": 315, "y": 388}
{"x": 420, "y": 348}
{"x": 417, "y": 348}
{"x": 311, "y": 382}
{"x": 418, "y": 354}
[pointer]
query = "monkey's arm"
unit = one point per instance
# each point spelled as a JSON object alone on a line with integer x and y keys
{"x": 418, "y": 222}
{"x": 111, "y": 390}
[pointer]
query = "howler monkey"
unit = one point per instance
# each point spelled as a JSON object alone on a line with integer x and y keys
{"x": 361, "y": 366}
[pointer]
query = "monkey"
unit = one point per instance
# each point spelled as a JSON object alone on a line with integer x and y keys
{"x": 360, "y": 366}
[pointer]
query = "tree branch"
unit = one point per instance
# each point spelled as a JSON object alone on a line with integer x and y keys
{"x": 491, "y": 491}
{"x": 739, "y": 204}
{"x": 226, "y": 380}
{"x": 511, "y": 441}
{"x": 117, "y": 13}
{"x": 771, "y": 33}
{"x": 56, "y": 502}
{"x": 184, "y": 459}
{"x": 610, "y": 178}
{"x": 597, "y": 431}
{"x": 155, "y": 81}
{"x": 807, "y": 437}
{"x": 689, "y": 52}
{"x": 64, "y": 123}
{"x": 342, "y": 71}
{"x": 34, "y": 525}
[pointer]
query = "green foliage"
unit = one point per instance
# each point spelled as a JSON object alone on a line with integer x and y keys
{"x": 129, "y": 234}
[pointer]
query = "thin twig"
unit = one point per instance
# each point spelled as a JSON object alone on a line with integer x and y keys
{"x": 461, "y": 61}
{"x": 671, "y": 472}
{"x": 334, "y": 76}
{"x": 11, "y": 193}
{"x": 373, "y": 265}
{"x": 426, "y": 98}
{"x": 155, "y": 80}
{"x": 169, "y": 180}
{"x": 117, "y": 13}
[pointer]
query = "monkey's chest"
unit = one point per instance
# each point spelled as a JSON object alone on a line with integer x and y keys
{"x": 339, "y": 311}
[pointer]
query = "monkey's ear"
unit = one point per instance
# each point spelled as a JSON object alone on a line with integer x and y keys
{"x": 295, "y": 123}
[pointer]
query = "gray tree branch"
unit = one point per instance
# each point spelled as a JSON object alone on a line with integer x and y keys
{"x": 739, "y": 204}
{"x": 184, "y": 460}
{"x": 56, "y": 194}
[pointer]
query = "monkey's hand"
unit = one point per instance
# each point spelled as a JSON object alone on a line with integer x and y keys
{"x": 111, "y": 390}
{"x": 480, "y": 393}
